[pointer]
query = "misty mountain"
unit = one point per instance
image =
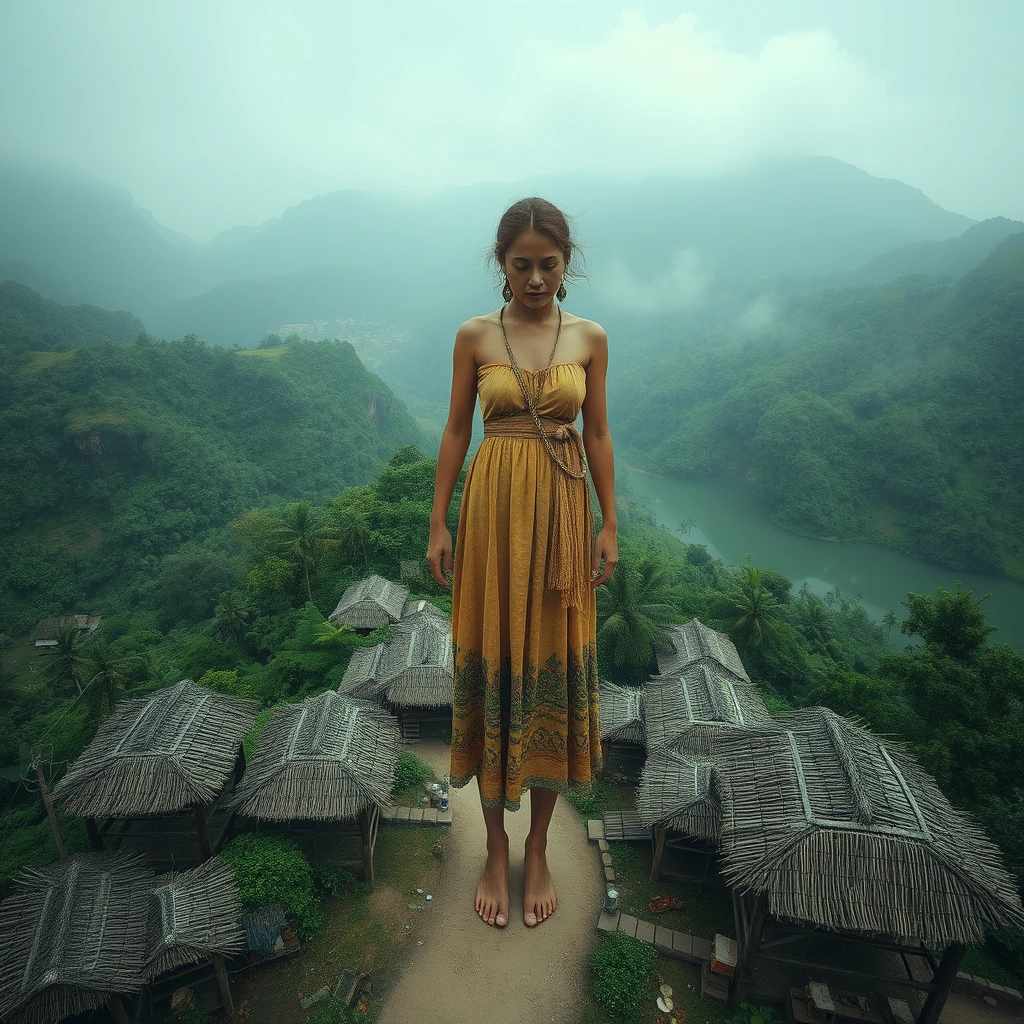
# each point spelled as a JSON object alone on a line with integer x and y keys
{"x": 792, "y": 217}
{"x": 951, "y": 257}
{"x": 49, "y": 285}
{"x": 93, "y": 236}
{"x": 888, "y": 414}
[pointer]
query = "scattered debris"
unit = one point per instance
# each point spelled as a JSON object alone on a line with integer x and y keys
{"x": 667, "y": 902}
{"x": 318, "y": 996}
{"x": 352, "y": 986}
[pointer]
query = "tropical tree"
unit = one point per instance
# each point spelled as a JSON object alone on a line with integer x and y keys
{"x": 67, "y": 659}
{"x": 232, "y": 615}
{"x": 889, "y": 619}
{"x": 684, "y": 526}
{"x": 104, "y": 678}
{"x": 631, "y": 605}
{"x": 298, "y": 536}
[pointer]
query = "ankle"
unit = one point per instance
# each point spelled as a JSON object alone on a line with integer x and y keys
{"x": 498, "y": 844}
{"x": 536, "y": 845}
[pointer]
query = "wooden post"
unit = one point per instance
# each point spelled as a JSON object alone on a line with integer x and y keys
{"x": 225, "y": 985}
{"x": 660, "y": 835}
{"x": 204, "y": 834}
{"x": 942, "y": 982}
{"x": 364, "y": 822}
{"x": 48, "y": 804}
{"x": 116, "y": 1005}
{"x": 95, "y": 839}
{"x": 749, "y": 941}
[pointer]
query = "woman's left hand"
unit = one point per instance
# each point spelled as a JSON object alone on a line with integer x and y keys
{"x": 606, "y": 550}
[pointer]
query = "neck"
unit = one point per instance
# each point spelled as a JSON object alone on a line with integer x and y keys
{"x": 528, "y": 314}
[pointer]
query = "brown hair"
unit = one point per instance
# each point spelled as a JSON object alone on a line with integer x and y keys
{"x": 536, "y": 214}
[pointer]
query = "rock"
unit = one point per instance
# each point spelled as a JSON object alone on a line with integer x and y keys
{"x": 990, "y": 1001}
{"x": 315, "y": 998}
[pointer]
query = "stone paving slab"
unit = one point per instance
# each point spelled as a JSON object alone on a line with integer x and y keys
{"x": 595, "y": 829}
{"x": 663, "y": 939}
{"x": 645, "y": 932}
{"x": 402, "y": 815}
{"x": 444, "y": 817}
{"x": 627, "y": 924}
{"x": 682, "y": 946}
{"x": 608, "y": 922}
{"x": 430, "y": 816}
{"x": 701, "y": 948}
{"x": 415, "y": 815}
{"x": 609, "y": 874}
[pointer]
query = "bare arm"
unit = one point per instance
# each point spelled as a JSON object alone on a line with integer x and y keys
{"x": 455, "y": 440}
{"x": 597, "y": 441}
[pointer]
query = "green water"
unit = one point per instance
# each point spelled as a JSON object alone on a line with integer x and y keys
{"x": 733, "y": 522}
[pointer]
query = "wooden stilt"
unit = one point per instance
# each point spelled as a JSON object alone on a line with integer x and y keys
{"x": 224, "y": 983}
{"x": 48, "y": 804}
{"x": 95, "y": 839}
{"x": 204, "y": 833}
{"x": 365, "y": 825}
{"x": 943, "y": 982}
{"x": 660, "y": 834}
{"x": 116, "y": 1004}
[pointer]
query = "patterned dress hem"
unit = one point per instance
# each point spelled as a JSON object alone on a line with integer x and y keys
{"x": 533, "y": 782}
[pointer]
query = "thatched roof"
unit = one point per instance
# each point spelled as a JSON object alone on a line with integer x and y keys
{"x": 71, "y": 934}
{"x": 680, "y": 790}
{"x": 699, "y": 697}
{"x": 326, "y": 759}
{"x": 193, "y": 914}
{"x": 622, "y": 716}
{"x": 413, "y": 669}
{"x": 695, "y": 642}
{"x": 845, "y": 831}
{"x": 158, "y": 754}
{"x": 369, "y": 603}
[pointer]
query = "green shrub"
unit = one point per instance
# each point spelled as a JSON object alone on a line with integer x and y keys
{"x": 272, "y": 868}
{"x": 412, "y": 771}
{"x": 750, "y": 1014}
{"x": 622, "y": 967}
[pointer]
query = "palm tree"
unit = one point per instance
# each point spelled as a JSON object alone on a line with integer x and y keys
{"x": 889, "y": 619}
{"x": 630, "y": 607}
{"x": 297, "y": 536}
{"x": 231, "y": 615}
{"x": 749, "y": 612}
{"x": 67, "y": 664}
{"x": 105, "y": 680}
{"x": 351, "y": 530}
{"x": 684, "y": 526}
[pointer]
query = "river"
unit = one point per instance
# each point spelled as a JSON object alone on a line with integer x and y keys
{"x": 733, "y": 522}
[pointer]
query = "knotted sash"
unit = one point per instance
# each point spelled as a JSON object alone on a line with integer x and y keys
{"x": 572, "y": 528}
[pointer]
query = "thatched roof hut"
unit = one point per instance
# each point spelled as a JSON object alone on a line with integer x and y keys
{"x": 159, "y": 754}
{"x": 193, "y": 915}
{"x": 696, "y": 642}
{"x": 844, "y": 831}
{"x": 701, "y": 696}
{"x": 679, "y": 791}
{"x": 370, "y": 603}
{"x": 326, "y": 759}
{"x": 413, "y": 669}
{"x": 330, "y": 759}
{"x": 73, "y": 937}
{"x": 622, "y": 715}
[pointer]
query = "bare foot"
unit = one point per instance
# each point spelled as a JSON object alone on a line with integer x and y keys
{"x": 540, "y": 900}
{"x": 492, "y": 892}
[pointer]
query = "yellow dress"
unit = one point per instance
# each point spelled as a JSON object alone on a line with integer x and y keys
{"x": 524, "y": 662}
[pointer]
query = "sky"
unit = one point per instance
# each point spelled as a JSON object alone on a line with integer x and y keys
{"x": 214, "y": 113}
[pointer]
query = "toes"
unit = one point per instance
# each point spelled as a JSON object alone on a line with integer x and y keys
{"x": 530, "y": 919}
{"x": 501, "y": 920}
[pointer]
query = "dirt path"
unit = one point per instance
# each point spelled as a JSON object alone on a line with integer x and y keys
{"x": 466, "y": 971}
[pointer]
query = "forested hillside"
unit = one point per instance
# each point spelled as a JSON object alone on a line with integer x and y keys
{"x": 119, "y": 457}
{"x": 890, "y": 413}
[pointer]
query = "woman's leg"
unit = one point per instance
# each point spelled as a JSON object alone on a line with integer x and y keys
{"x": 540, "y": 900}
{"x": 492, "y": 892}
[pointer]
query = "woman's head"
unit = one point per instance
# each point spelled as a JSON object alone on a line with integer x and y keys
{"x": 533, "y": 231}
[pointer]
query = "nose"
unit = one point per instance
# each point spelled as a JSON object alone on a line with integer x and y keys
{"x": 536, "y": 277}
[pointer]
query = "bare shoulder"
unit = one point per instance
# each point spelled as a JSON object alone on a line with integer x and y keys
{"x": 593, "y": 339}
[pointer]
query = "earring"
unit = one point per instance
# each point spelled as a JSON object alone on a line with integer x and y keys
{"x": 506, "y": 292}
{"x": 560, "y": 294}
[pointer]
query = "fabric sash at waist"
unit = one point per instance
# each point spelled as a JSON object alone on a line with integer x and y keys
{"x": 573, "y": 521}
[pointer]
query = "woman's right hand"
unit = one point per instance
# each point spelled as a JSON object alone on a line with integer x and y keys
{"x": 439, "y": 555}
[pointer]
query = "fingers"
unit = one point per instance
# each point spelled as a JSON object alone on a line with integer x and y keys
{"x": 609, "y": 568}
{"x": 440, "y": 563}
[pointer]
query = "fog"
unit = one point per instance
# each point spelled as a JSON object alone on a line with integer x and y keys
{"x": 215, "y": 115}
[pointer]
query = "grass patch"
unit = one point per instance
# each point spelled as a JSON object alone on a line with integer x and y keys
{"x": 707, "y": 909}
{"x": 263, "y": 353}
{"x": 42, "y": 360}
{"x": 412, "y": 773}
{"x": 364, "y": 930}
{"x": 979, "y": 962}
{"x": 602, "y": 796}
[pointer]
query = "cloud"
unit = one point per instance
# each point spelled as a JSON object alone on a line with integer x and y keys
{"x": 681, "y": 286}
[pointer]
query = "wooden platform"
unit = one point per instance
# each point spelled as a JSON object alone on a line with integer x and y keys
{"x": 625, "y": 827}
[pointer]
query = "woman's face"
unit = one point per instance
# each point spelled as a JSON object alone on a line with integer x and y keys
{"x": 534, "y": 266}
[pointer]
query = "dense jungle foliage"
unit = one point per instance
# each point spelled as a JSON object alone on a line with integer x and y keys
{"x": 120, "y": 459}
{"x": 890, "y": 414}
